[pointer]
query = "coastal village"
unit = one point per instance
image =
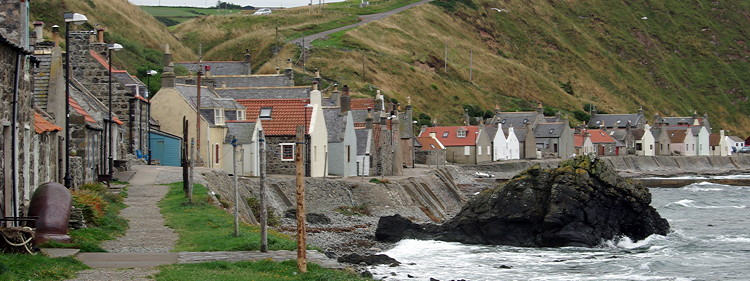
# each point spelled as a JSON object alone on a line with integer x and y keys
{"x": 69, "y": 116}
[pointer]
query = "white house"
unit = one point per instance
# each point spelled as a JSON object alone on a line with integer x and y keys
{"x": 645, "y": 141}
{"x": 342, "y": 143}
{"x": 246, "y": 135}
{"x": 512, "y": 144}
{"x": 500, "y": 146}
{"x": 701, "y": 140}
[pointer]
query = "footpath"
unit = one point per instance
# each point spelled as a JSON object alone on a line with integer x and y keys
{"x": 148, "y": 242}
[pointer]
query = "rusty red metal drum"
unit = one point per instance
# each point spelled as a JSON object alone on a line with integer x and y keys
{"x": 51, "y": 203}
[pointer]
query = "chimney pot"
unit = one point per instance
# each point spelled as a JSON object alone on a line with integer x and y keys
{"x": 100, "y": 35}
{"x": 56, "y": 35}
{"x": 38, "y": 29}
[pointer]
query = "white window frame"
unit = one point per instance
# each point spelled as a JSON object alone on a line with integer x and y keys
{"x": 281, "y": 148}
{"x": 268, "y": 110}
{"x": 461, "y": 133}
{"x": 241, "y": 115}
{"x": 467, "y": 150}
{"x": 219, "y": 116}
{"x": 479, "y": 150}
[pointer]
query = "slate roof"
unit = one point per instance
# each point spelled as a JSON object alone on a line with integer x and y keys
{"x": 217, "y": 67}
{"x": 619, "y": 134}
{"x": 291, "y": 92}
{"x": 519, "y": 132}
{"x": 516, "y": 119}
{"x": 362, "y": 140}
{"x": 190, "y": 92}
{"x": 638, "y": 133}
{"x": 619, "y": 121}
{"x": 265, "y": 80}
{"x": 335, "y": 125}
{"x": 491, "y": 131}
{"x": 211, "y": 102}
{"x": 359, "y": 115}
{"x": 600, "y": 136}
{"x": 286, "y": 114}
{"x": 736, "y": 139}
{"x": 675, "y": 121}
{"x": 549, "y": 130}
{"x": 243, "y": 131}
{"x": 451, "y": 139}
{"x": 41, "y": 124}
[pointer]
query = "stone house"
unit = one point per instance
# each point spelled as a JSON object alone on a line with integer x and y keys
{"x": 610, "y": 122}
{"x": 554, "y": 140}
{"x": 694, "y": 120}
{"x": 661, "y": 140}
{"x": 682, "y": 141}
{"x": 604, "y": 144}
{"x": 583, "y": 144}
{"x": 430, "y": 151}
{"x": 464, "y": 144}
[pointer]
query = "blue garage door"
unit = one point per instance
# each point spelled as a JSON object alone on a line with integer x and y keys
{"x": 165, "y": 148}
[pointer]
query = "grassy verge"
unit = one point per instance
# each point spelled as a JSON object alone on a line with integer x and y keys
{"x": 203, "y": 227}
{"x": 38, "y": 267}
{"x": 258, "y": 271}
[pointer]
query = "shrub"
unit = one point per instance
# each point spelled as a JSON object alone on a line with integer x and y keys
{"x": 95, "y": 187}
{"x": 254, "y": 204}
{"x": 92, "y": 204}
{"x": 383, "y": 181}
{"x": 359, "y": 210}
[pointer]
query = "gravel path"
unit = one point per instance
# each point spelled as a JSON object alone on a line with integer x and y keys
{"x": 146, "y": 234}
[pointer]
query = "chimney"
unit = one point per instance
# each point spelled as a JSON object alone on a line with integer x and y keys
{"x": 317, "y": 75}
{"x": 278, "y": 70}
{"x": 223, "y": 84}
{"x": 335, "y": 95}
{"x": 56, "y": 35}
{"x": 100, "y": 35}
{"x": 39, "y": 30}
{"x": 247, "y": 70}
{"x": 368, "y": 120}
{"x": 288, "y": 71}
{"x": 167, "y": 77}
{"x": 467, "y": 120}
{"x": 345, "y": 100}
{"x": 379, "y": 104}
{"x": 315, "y": 95}
{"x": 539, "y": 108}
{"x": 207, "y": 71}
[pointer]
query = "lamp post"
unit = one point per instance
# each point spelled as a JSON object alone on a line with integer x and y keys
{"x": 75, "y": 18}
{"x": 149, "y": 73}
{"x": 110, "y": 162}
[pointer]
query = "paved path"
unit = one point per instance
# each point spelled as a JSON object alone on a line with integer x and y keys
{"x": 147, "y": 242}
{"x": 365, "y": 19}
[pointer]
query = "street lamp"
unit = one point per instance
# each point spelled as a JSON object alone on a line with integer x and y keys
{"x": 149, "y": 73}
{"x": 78, "y": 19}
{"x": 110, "y": 163}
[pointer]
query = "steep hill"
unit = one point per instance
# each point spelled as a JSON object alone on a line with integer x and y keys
{"x": 671, "y": 58}
{"x": 142, "y": 36}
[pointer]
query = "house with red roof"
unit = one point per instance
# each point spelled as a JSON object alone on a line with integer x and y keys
{"x": 604, "y": 144}
{"x": 583, "y": 144}
{"x": 463, "y": 144}
{"x": 430, "y": 150}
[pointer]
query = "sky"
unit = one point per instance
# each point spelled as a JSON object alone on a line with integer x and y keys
{"x": 208, "y": 3}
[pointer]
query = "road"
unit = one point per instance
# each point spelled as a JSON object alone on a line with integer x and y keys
{"x": 365, "y": 19}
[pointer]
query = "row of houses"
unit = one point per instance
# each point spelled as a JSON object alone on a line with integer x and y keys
{"x": 225, "y": 103}
{"x": 531, "y": 135}
{"x": 34, "y": 106}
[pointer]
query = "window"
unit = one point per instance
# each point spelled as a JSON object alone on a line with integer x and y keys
{"x": 219, "y": 116}
{"x": 348, "y": 153}
{"x": 445, "y": 135}
{"x": 467, "y": 150}
{"x": 432, "y": 145}
{"x": 639, "y": 146}
{"x": 287, "y": 151}
{"x": 479, "y": 150}
{"x": 461, "y": 133}
{"x": 555, "y": 148}
{"x": 265, "y": 113}
{"x": 240, "y": 115}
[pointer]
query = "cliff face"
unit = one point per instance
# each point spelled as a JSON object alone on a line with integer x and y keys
{"x": 579, "y": 203}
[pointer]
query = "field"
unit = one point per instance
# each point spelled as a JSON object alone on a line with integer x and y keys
{"x": 171, "y": 16}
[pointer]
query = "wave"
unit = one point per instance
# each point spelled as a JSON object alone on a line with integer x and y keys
{"x": 627, "y": 243}
{"x": 691, "y": 204}
{"x": 732, "y": 239}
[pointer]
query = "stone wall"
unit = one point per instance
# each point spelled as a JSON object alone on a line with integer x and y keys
{"x": 273, "y": 156}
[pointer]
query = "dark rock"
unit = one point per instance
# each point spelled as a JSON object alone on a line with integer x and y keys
{"x": 433, "y": 279}
{"x": 330, "y": 255}
{"x": 410, "y": 276}
{"x": 393, "y": 274}
{"x": 505, "y": 266}
{"x": 312, "y": 218}
{"x": 366, "y": 274}
{"x": 367, "y": 259}
{"x": 580, "y": 203}
{"x": 395, "y": 264}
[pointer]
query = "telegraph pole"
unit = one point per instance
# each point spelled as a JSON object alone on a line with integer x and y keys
{"x": 263, "y": 199}
{"x": 301, "y": 228}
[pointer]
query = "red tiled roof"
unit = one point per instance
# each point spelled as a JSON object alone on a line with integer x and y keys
{"x": 141, "y": 98}
{"x": 578, "y": 140}
{"x": 600, "y": 136}
{"x": 362, "y": 103}
{"x": 41, "y": 125}
{"x": 677, "y": 136}
{"x": 452, "y": 139}
{"x": 286, "y": 114}
{"x": 104, "y": 62}
{"x": 428, "y": 143}
{"x": 78, "y": 108}
{"x": 117, "y": 120}
{"x": 714, "y": 139}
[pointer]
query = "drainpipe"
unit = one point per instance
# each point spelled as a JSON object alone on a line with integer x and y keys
{"x": 14, "y": 136}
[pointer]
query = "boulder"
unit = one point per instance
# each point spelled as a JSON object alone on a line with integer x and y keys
{"x": 368, "y": 259}
{"x": 580, "y": 203}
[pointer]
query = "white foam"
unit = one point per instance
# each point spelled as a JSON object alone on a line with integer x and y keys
{"x": 691, "y": 204}
{"x": 732, "y": 239}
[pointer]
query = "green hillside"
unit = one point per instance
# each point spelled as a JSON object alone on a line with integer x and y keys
{"x": 171, "y": 16}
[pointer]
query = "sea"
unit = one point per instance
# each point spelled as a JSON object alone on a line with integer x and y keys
{"x": 709, "y": 240}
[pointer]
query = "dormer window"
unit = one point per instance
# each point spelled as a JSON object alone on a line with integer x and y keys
{"x": 265, "y": 113}
{"x": 219, "y": 116}
{"x": 461, "y": 133}
{"x": 240, "y": 115}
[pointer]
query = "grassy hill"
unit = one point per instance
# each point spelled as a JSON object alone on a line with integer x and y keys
{"x": 142, "y": 36}
{"x": 171, "y": 16}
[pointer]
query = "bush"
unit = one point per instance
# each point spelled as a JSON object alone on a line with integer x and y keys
{"x": 359, "y": 210}
{"x": 95, "y": 187}
{"x": 92, "y": 204}
{"x": 254, "y": 204}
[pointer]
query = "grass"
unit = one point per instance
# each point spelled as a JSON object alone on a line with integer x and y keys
{"x": 175, "y": 15}
{"x": 264, "y": 270}
{"x": 38, "y": 267}
{"x": 203, "y": 227}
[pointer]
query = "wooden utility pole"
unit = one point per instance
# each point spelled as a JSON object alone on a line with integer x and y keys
{"x": 301, "y": 228}
{"x": 236, "y": 189}
{"x": 263, "y": 199}
{"x": 185, "y": 156}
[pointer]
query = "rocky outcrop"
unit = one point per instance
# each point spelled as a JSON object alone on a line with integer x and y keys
{"x": 579, "y": 203}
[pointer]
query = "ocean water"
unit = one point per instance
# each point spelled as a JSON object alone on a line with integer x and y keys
{"x": 710, "y": 240}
